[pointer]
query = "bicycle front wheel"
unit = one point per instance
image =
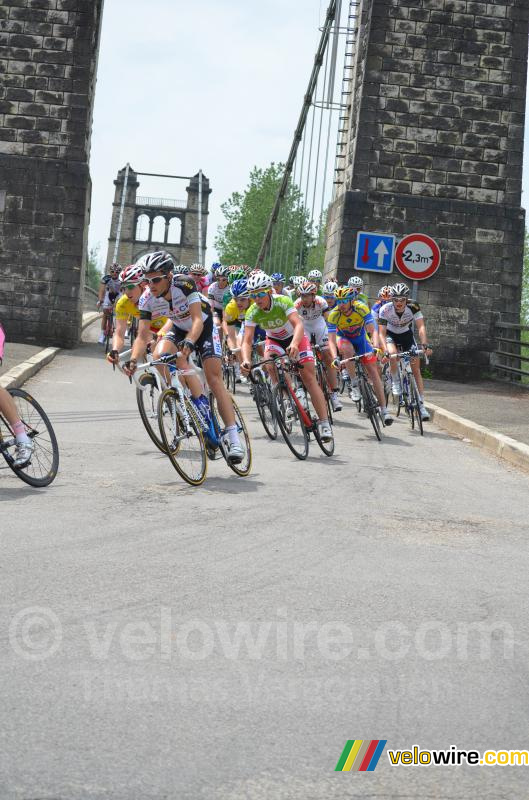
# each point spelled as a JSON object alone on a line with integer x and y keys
{"x": 371, "y": 407}
{"x": 290, "y": 422}
{"x": 415, "y": 404}
{"x": 42, "y": 468}
{"x": 182, "y": 437}
{"x": 148, "y": 400}
{"x": 265, "y": 405}
{"x": 243, "y": 468}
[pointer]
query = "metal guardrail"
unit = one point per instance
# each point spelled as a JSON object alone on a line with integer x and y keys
{"x": 511, "y": 357}
{"x": 161, "y": 202}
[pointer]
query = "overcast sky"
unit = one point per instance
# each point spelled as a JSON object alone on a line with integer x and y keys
{"x": 215, "y": 85}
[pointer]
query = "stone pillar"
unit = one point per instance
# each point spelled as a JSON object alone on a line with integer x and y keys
{"x": 190, "y": 231}
{"x": 128, "y": 225}
{"x": 436, "y": 146}
{"x": 48, "y": 57}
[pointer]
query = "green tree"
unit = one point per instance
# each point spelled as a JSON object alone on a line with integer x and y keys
{"x": 316, "y": 250}
{"x": 247, "y": 214}
{"x": 93, "y": 273}
{"x": 524, "y": 315}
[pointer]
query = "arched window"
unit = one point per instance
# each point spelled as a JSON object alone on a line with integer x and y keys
{"x": 175, "y": 230}
{"x": 158, "y": 230}
{"x": 142, "y": 228}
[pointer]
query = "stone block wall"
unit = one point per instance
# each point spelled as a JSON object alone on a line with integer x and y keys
{"x": 48, "y": 58}
{"x": 436, "y": 146}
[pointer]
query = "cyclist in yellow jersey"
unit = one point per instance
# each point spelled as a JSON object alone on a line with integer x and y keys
{"x": 133, "y": 283}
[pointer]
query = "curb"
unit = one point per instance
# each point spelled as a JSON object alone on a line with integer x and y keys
{"x": 22, "y": 372}
{"x": 516, "y": 453}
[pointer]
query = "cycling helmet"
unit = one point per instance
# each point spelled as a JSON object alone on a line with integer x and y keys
{"x": 356, "y": 280}
{"x": 259, "y": 280}
{"x": 215, "y": 266}
{"x": 330, "y": 287}
{"x": 307, "y": 287}
{"x": 198, "y": 269}
{"x": 315, "y": 275}
{"x": 159, "y": 261}
{"x": 236, "y": 275}
{"x": 245, "y": 267}
{"x": 277, "y": 277}
{"x": 297, "y": 280}
{"x": 239, "y": 288}
{"x": 384, "y": 292}
{"x": 131, "y": 274}
{"x": 181, "y": 269}
{"x": 222, "y": 272}
{"x": 345, "y": 293}
{"x": 233, "y": 267}
{"x": 399, "y": 290}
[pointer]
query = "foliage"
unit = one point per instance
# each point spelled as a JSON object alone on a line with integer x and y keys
{"x": 247, "y": 214}
{"x": 93, "y": 273}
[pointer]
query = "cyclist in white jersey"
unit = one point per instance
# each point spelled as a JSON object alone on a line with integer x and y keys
{"x": 313, "y": 310}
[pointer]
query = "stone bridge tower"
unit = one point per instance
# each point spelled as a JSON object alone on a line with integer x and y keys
{"x": 434, "y": 144}
{"x": 48, "y": 57}
{"x": 154, "y": 223}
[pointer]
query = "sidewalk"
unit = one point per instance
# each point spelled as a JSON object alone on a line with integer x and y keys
{"x": 497, "y": 406}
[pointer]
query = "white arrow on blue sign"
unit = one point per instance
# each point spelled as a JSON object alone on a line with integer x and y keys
{"x": 374, "y": 252}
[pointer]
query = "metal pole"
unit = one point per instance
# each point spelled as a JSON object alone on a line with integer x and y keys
{"x": 334, "y": 52}
{"x": 415, "y": 290}
{"x": 200, "y": 216}
{"x": 122, "y": 208}
{"x": 318, "y": 61}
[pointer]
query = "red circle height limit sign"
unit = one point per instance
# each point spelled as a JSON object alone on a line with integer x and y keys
{"x": 417, "y": 256}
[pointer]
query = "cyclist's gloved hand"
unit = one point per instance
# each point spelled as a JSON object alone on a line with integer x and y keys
{"x": 335, "y": 363}
{"x": 245, "y": 367}
{"x": 187, "y": 347}
{"x": 129, "y": 367}
{"x": 113, "y": 357}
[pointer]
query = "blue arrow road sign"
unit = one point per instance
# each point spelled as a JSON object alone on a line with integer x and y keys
{"x": 374, "y": 252}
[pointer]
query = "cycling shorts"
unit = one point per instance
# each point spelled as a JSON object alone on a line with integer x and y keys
{"x": 362, "y": 347}
{"x": 403, "y": 341}
{"x": 208, "y": 344}
{"x": 277, "y": 347}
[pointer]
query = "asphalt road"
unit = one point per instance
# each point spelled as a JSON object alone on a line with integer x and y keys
{"x": 223, "y": 643}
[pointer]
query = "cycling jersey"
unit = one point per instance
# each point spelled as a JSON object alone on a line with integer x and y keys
{"x": 183, "y": 293}
{"x": 353, "y": 325}
{"x": 232, "y": 314}
{"x": 312, "y": 314}
{"x": 125, "y": 308}
{"x": 274, "y": 321}
{"x": 112, "y": 289}
{"x": 216, "y": 295}
{"x": 399, "y": 322}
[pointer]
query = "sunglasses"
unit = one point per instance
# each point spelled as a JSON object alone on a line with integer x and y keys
{"x": 128, "y": 287}
{"x": 329, "y": 297}
{"x": 254, "y": 295}
{"x": 345, "y": 301}
{"x": 157, "y": 279}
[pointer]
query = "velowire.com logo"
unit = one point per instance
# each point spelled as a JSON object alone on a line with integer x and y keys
{"x": 360, "y": 755}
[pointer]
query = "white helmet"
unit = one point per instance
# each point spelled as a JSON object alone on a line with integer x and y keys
{"x": 297, "y": 280}
{"x": 159, "y": 261}
{"x": 198, "y": 269}
{"x": 356, "y": 280}
{"x": 330, "y": 287}
{"x": 181, "y": 269}
{"x": 315, "y": 275}
{"x": 259, "y": 280}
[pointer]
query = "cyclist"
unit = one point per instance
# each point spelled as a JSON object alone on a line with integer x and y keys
{"x": 354, "y": 324}
{"x": 133, "y": 284}
{"x": 357, "y": 283}
{"x": 199, "y": 273}
{"x": 109, "y": 290}
{"x": 313, "y": 310}
{"x": 277, "y": 315}
{"x": 181, "y": 269}
{"x": 234, "y": 315}
{"x": 217, "y": 292}
{"x": 24, "y": 445}
{"x": 395, "y": 332}
{"x": 278, "y": 284}
{"x": 191, "y": 325}
{"x": 315, "y": 276}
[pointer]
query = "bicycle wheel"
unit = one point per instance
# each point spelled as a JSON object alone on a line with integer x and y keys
{"x": 42, "y": 468}
{"x": 324, "y": 386}
{"x": 265, "y": 405}
{"x": 290, "y": 422}
{"x": 148, "y": 400}
{"x": 415, "y": 403}
{"x": 182, "y": 437}
{"x": 109, "y": 332}
{"x": 133, "y": 331}
{"x": 245, "y": 465}
{"x": 371, "y": 407}
{"x": 232, "y": 379}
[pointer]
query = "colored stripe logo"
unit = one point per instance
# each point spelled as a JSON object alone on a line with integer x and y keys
{"x": 360, "y": 755}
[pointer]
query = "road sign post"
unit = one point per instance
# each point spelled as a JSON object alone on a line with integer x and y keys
{"x": 374, "y": 252}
